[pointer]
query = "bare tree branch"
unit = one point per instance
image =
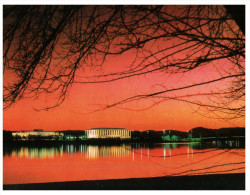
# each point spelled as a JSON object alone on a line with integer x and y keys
{"x": 46, "y": 48}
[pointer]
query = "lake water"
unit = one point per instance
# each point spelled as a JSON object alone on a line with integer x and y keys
{"x": 74, "y": 162}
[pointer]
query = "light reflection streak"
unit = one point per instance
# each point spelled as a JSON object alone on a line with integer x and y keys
{"x": 164, "y": 152}
{"x": 125, "y": 160}
{"x": 96, "y": 151}
{"x": 25, "y": 152}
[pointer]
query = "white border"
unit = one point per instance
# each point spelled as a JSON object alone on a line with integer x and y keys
{"x": 173, "y": 2}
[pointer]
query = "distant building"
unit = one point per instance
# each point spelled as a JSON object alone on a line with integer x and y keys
{"x": 108, "y": 133}
{"x": 166, "y": 138}
{"x": 37, "y": 134}
{"x": 173, "y": 138}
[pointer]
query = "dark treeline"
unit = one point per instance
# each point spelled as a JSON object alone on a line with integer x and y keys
{"x": 222, "y": 132}
{"x": 144, "y": 136}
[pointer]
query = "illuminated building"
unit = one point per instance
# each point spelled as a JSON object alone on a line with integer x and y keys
{"x": 37, "y": 133}
{"x": 108, "y": 133}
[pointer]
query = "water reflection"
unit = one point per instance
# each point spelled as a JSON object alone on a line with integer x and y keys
{"x": 124, "y": 150}
{"x": 75, "y": 162}
{"x": 107, "y": 151}
{"x": 26, "y": 152}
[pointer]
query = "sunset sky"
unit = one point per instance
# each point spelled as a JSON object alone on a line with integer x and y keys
{"x": 78, "y": 110}
{"x": 82, "y": 108}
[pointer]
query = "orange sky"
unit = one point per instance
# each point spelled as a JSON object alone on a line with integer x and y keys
{"x": 76, "y": 111}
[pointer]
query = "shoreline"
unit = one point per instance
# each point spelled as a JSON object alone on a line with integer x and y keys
{"x": 235, "y": 181}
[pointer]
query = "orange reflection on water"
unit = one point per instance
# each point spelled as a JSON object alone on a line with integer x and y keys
{"x": 87, "y": 162}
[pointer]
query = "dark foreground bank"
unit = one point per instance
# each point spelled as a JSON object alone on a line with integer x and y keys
{"x": 199, "y": 182}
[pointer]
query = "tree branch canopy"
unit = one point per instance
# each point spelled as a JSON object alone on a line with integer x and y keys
{"x": 47, "y": 48}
